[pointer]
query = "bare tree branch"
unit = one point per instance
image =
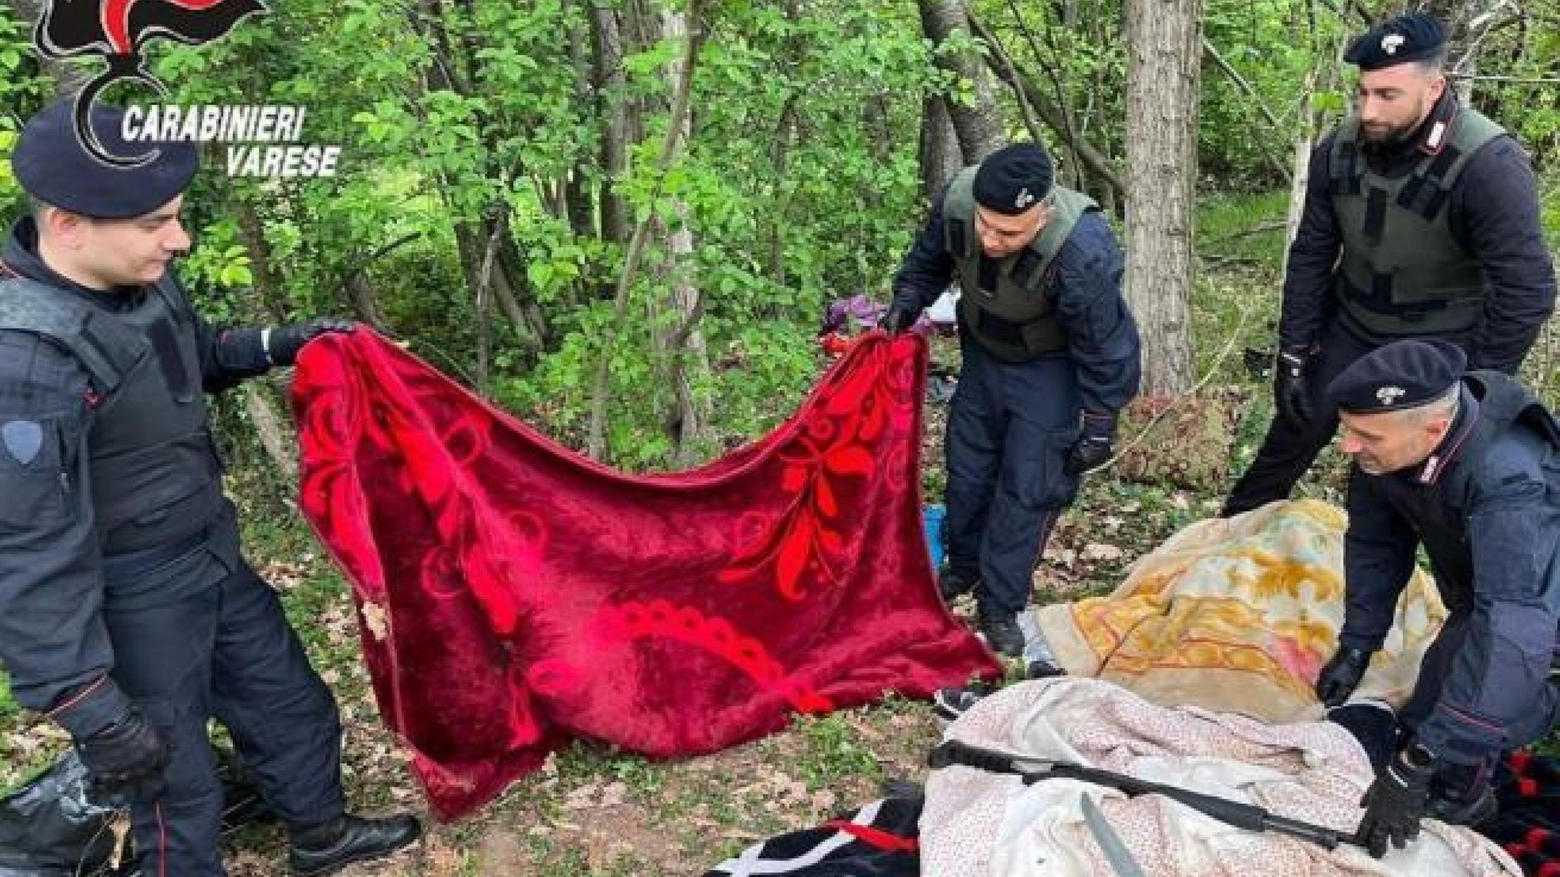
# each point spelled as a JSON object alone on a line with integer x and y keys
{"x": 1090, "y": 155}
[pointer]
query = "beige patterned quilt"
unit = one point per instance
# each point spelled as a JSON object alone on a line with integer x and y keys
{"x": 1238, "y": 615}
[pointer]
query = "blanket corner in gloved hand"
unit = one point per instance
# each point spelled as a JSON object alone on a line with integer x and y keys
{"x": 514, "y": 595}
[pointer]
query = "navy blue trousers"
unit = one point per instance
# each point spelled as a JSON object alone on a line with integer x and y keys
{"x": 227, "y": 652}
{"x": 1010, "y": 426}
{"x": 1290, "y": 448}
{"x": 1529, "y": 726}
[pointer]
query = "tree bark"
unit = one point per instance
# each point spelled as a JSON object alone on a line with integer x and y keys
{"x": 980, "y": 127}
{"x": 577, "y": 193}
{"x": 68, "y": 77}
{"x": 682, "y": 344}
{"x": 273, "y": 434}
{"x": 939, "y": 148}
{"x": 600, "y": 389}
{"x": 611, "y": 102}
{"x": 251, "y": 231}
{"x": 1163, "y": 37}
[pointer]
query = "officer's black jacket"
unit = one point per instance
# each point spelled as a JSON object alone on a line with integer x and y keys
{"x": 1102, "y": 337}
{"x": 52, "y": 639}
{"x": 1486, "y": 507}
{"x": 1494, "y": 213}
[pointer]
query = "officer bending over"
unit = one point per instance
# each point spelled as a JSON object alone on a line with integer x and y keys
{"x": 1050, "y": 355}
{"x": 1467, "y": 465}
{"x": 127, "y": 613}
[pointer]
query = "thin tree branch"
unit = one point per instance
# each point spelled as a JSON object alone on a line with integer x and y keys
{"x": 1254, "y": 100}
{"x": 1092, "y": 158}
{"x": 596, "y": 442}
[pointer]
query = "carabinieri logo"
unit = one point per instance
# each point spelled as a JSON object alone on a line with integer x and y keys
{"x": 118, "y": 30}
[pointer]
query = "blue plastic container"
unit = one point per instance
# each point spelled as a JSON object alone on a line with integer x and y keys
{"x": 933, "y": 516}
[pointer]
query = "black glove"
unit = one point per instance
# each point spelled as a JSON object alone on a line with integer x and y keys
{"x": 282, "y": 343}
{"x": 126, "y": 761}
{"x": 897, "y": 318}
{"x": 1395, "y": 802}
{"x": 1340, "y": 675}
{"x": 1092, "y": 449}
{"x": 1291, "y": 391}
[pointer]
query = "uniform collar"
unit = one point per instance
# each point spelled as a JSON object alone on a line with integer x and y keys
{"x": 1449, "y": 451}
{"x": 1436, "y": 130}
{"x": 1429, "y": 138}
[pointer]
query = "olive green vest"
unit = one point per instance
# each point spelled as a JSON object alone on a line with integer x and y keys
{"x": 1015, "y": 321}
{"x": 1401, "y": 271}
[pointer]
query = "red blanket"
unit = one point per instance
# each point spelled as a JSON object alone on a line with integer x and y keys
{"x": 514, "y": 594}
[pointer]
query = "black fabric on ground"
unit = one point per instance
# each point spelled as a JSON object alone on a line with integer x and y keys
{"x": 879, "y": 840}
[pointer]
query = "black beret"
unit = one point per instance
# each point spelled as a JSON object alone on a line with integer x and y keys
{"x": 51, "y": 165}
{"x": 1013, "y": 179}
{"x": 1398, "y": 376}
{"x": 1410, "y": 37}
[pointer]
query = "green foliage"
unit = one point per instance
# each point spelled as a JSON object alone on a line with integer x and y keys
{"x": 1279, "y": 48}
{"x": 834, "y": 752}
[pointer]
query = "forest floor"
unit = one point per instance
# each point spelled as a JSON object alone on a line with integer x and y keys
{"x": 593, "y": 812}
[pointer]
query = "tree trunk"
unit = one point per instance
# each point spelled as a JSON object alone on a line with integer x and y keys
{"x": 68, "y": 77}
{"x": 251, "y": 231}
{"x": 455, "y": 67}
{"x": 271, "y": 430}
{"x": 617, "y": 133}
{"x": 980, "y": 127}
{"x": 1300, "y": 167}
{"x": 596, "y": 441}
{"x": 576, "y": 189}
{"x": 682, "y": 344}
{"x": 1163, "y": 37}
{"x": 940, "y": 156}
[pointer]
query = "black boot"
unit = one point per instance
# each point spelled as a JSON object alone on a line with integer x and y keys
{"x": 953, "y": 586}
{"x": 1002, "y": 633}
{"x": 322, "y": 849}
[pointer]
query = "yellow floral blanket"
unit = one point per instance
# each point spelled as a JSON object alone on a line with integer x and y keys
{"x": 1238, "y": 615}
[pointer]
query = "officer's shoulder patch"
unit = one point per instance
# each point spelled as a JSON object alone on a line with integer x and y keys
{"x": 22, "y": 439}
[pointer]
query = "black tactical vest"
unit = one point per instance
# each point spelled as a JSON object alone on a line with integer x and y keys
{"x": 1015, "y": 321}
{"x": 1402, "y": 272}
{"x": 154, "y": 469}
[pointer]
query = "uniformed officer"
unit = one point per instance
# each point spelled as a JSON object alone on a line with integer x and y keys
{"x": 1050, "y": 355}
{"x": 127, "y": 614}
{"x": 1468, "y": 466}
{"x": 1421, "y": 219}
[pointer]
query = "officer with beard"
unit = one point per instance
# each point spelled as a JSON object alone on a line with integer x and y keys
{"x": 1421, "y": 220}
{"x": 127, "y": 613}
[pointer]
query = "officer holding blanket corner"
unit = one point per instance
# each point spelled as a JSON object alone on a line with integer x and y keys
{"x": 1050, "y": 356}
{"x": 127, "y": 613}
{"x": 1465, "y": 464}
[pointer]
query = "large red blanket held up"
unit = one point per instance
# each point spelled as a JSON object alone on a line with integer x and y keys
{"x": 514, "y": 595}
